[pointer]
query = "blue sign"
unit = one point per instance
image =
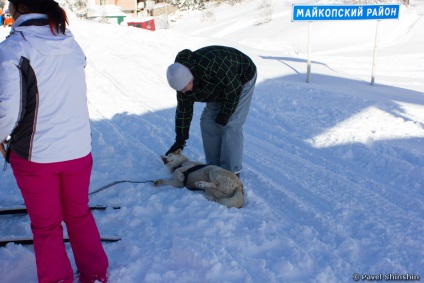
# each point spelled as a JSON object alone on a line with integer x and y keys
{"x": 345, "y": 12}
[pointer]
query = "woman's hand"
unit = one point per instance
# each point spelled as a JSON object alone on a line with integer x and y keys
{"x": 3, "y": 147}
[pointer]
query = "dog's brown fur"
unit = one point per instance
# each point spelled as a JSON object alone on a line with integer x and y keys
{"x": 217, "y": 184}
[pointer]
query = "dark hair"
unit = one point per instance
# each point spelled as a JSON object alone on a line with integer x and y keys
{"x": 57, "y": 16}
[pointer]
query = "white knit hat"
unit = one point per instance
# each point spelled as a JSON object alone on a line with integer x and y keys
{"x": 178, "y": 76}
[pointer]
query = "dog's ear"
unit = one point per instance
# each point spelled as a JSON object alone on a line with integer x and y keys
{"x": 178, "y": 151}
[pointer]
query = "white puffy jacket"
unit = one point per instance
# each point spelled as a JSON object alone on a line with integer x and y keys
{"x": 43, "y": 102}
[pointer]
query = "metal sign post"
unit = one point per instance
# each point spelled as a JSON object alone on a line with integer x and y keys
{"x": 374, "y": 59}
{"x": 344, "y": 12}
{"x": 308, "y": 72}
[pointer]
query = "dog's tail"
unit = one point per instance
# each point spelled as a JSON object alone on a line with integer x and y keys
{"x": 236, "y": 200}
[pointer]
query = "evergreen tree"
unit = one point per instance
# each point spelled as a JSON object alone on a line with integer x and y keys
{"x": 79, "y": 7}
{"x": 191, "y": 4}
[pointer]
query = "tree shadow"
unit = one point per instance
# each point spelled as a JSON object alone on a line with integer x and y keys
{"x": 285, "y": 112}
{"x": 283, "y": 109}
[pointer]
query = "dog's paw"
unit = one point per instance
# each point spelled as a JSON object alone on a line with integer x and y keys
{"x": 157, "y": 183}
{"x": 180, "y": 175}
{"x": 201, "y": 184}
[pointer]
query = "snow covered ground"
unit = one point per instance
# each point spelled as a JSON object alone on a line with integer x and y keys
{"x": 333, "y": 169}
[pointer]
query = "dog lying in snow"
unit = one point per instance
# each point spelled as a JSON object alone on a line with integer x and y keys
{"x": 216, "y": 183}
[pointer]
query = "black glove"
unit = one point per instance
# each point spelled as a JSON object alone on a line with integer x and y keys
{"x": 222, "y": 119}
{"x": 178, "y": 144}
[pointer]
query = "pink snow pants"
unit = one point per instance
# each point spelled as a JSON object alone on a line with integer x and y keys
{"x": 54, "y": 192}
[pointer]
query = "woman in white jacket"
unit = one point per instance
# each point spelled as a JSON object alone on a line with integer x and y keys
{"x": 44, "y": 117}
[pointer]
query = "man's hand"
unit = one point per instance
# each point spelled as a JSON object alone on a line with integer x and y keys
{"x": 222, "y": 119}
{"x": 178, "y": 144}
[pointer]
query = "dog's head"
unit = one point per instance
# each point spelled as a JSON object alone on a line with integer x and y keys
{"x": 173, "y": 159}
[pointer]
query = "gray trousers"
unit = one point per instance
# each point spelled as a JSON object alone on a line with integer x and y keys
{"x": 223, "y": 145}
